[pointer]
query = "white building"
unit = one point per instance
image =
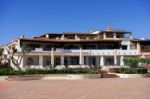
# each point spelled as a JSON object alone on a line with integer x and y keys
{"x": 100, "y": 48}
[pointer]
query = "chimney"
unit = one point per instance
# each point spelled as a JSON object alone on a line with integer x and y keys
{"x": 109, "y": 28}
{"x": 47, "y": 36}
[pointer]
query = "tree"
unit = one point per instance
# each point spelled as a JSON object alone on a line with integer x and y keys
{"x": 17, "y": 61}
{"x": 1, "y": 53}
{"x": 132, "y": 61}
{"x": 146, "y": 62}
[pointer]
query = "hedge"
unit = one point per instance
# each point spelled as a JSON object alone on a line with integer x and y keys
{"x": 129, "y": 70}
{"x": 134, "y": 61}
{"x": 50, "y": 71}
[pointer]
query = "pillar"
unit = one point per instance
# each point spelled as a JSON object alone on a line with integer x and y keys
{"x": 81, "y": 58}
{"x": 76, "y": 37}
{"x": 115, "y": 60}
{"x": 115, "y": 36}
{"x": 52, "y": 56}
{"x": 104, "y": 36}
{"x": 102, "y": 61}
{"x": 138, "y": 47}
{"x": 62, "y": 60}
{"x": 41, "y": 60}
{"x": 121, "y": 60}
{"x": 128, "y": 48}
{"x": 115, "y": 57}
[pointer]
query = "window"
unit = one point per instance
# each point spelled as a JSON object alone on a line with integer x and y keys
{"x": 30, "y": 61}
{"x": 48, "y": 61}
{"x": 124, "y": 47}
{"x": 72, "y": 60}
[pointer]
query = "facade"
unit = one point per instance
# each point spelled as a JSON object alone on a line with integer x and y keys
{"x": 98, "y": 48}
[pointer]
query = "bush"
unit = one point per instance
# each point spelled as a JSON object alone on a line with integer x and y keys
{"x": 129, "y": 70}
{"x": 50, "y": 71}
{"x": 134, "y": 61}
{"x": 10, "y": 72}
{"x": 138, "y": 70}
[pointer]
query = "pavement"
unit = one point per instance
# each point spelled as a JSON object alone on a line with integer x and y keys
{"x": 104, "y": 88}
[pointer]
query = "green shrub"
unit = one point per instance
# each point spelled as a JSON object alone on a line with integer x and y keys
{"x": 114, "y": 70}
{"x": 50, "y": 71}
{"x": 10, "y": 72}
{"x": 129, "y": 70}
{"x": 138, "y": 70}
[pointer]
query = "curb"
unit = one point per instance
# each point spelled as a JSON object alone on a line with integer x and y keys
{"x": 3, "y": 78}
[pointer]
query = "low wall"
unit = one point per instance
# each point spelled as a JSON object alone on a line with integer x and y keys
{"x": 84, "y": 76}
{"x": 108, "y": 67}
{"x": 51, "y": 77}
{"x": 3, "y": 78}
{"x": 132, "y": 75}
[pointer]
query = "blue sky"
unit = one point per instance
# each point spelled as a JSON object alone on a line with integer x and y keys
{"x": 35, "y": 17}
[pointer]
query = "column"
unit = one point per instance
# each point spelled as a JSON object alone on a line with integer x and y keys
{"x": 104, "y": 36}
{"x": 121, "y": 60}
{"x": 76, "y": 37}
{"x": 138, "y": 47}
{"x": 115, "y": 36}
{"x": 62, "y": 60}
{"x": 115, "y": 57}
{"x": 40, "y": 60}
{"x": 52, "y": 56}
{"x": 102, "y": 61}
{"x": 81, "y": 58}
{"x": 128, "y": 46}
{"x": 115, "y": 60}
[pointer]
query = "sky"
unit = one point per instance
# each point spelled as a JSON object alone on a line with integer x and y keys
{"x": 36, "y": 17}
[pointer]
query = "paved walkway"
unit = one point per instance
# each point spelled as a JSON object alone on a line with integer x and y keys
{"x": 108, "y": 88}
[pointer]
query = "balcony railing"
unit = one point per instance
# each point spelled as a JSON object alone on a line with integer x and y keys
{"x": 93, "y": 52}
{"x": 106, "y": 52}
{"x": 112, "y": 52}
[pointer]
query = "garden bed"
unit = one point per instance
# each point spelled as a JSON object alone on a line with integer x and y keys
{"x": 4, "y": 72}
{"x": 121, "y": 70}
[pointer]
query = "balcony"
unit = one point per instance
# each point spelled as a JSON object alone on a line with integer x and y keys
{"x": 112, "y": 52}
{"x": 104, "y": 52}
{"x": 96, "y": 52}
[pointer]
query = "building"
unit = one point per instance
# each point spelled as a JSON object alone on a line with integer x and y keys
{"x": 95, "y": 48}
